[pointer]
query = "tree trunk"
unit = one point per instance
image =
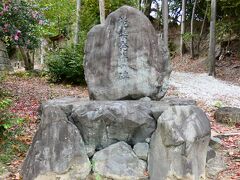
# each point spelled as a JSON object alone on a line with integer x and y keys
{"x": 212, "y": 42}
{"x": 33, "y": 58}
{"x": 140, "y": 5}
{"x": 42, "y": 52}
{"x": 192, "y": 33}
{"x": 102, "y": 11}
{"x": 202, "y": 28}
{"x": 28, "y": 62}
{"x": 165, "y": 21}
{"x": 182, "y": 47}
{"x": 77, "y": 30}
{"x": 147, "y": 11}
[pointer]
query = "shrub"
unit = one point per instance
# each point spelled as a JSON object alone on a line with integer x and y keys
{"x": 7, "y": 120}
{"x": 9, "y": 129}
{"x": 66, "y": 65}
{"x": 19, "y": 24}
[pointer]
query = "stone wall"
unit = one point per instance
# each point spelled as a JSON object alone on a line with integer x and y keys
{"x": 4, "y": 59}
{"x": 120, "y": 140}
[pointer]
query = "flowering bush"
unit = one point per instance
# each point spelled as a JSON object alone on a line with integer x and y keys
{"x": 19, "y": 24}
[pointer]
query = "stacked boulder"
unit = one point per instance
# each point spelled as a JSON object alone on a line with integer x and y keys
{"x": 5, "y": 64}
{"x": 134, "y": 136}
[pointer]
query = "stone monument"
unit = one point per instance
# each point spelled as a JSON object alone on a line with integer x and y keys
{"x": 131, "y": 137}
{"x": 125, "y": 58}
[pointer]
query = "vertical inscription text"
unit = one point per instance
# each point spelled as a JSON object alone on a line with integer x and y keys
{"x": 123, "y": 49}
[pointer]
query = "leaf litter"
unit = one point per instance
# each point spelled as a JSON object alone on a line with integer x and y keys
{"x": 28, "y": 93}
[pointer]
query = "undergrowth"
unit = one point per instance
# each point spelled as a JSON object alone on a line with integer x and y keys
{"x": 66, "y": 65}
{"x": 11, "y": 147}
{"x": 10, "y": 129}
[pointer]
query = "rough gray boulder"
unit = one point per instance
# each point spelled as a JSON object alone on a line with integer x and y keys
{"x": 125, "y": 58}
{"x": 210, "y": 154}
{"x": 215, "y": 166}
{"x": 103, "y": 123}
{"x": 119, "y": 162}
{"x": 57, "y": 150}
{"x": 61, "y": 147}
{"x": 5, "y": 64}
{"x": 229, "y": 115}
{"x": 178, "y": 147}
{"x": 141, "y": 150}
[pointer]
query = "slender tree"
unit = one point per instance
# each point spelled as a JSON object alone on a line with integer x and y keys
{"x": 182, "y": 49}
{"x": 212, "y": 42}
{"x": 147, "y": 8}
{"x": 42, "y": 52}
{"x": 102, "y": 11}
{"x": 77, "y": 30}
{"x": 140, "y": 5}
{"x": 26, "y": 56}
{"x": 202, "y": 28}
{"x": 192, "y": 31}
{"x": 165, "y": 20}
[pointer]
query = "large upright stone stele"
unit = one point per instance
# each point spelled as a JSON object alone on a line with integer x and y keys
{"x": 125, "y": 58}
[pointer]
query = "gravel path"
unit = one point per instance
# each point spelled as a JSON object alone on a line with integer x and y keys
{"x": 205, "y": 88}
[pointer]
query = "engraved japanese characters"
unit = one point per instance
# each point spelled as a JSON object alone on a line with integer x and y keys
{"x": 125, "y": 58}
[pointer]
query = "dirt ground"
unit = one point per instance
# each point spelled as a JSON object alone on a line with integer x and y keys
{"x": 227, "y": 69}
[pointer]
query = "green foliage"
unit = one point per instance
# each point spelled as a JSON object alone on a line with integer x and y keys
{"x": 93, "y": 166}
{"x": 224, "y": 30}
{"x": 112, "y": 5}
{"x": 10, "y": 146}
{"x": 59, "y": 16}
{"x": 66, "y": 65}
{"x": 89, "y": 15}
{"x": 90, "y": 11}
{"x": 7, "y": 120}
{"x": 5, "y": 103}
{"x": 23, "y": 74}
{"x": 218, "y": 104}
{"x": 19, "y": 24}
{"x": 98, "y": 177}
{"x": 29, "y": 74}
{"x": 187, "y": 37}
{"x": 229, "y": 14}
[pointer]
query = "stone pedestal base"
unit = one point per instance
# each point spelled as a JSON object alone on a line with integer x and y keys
{"x": 73, "y": 133}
